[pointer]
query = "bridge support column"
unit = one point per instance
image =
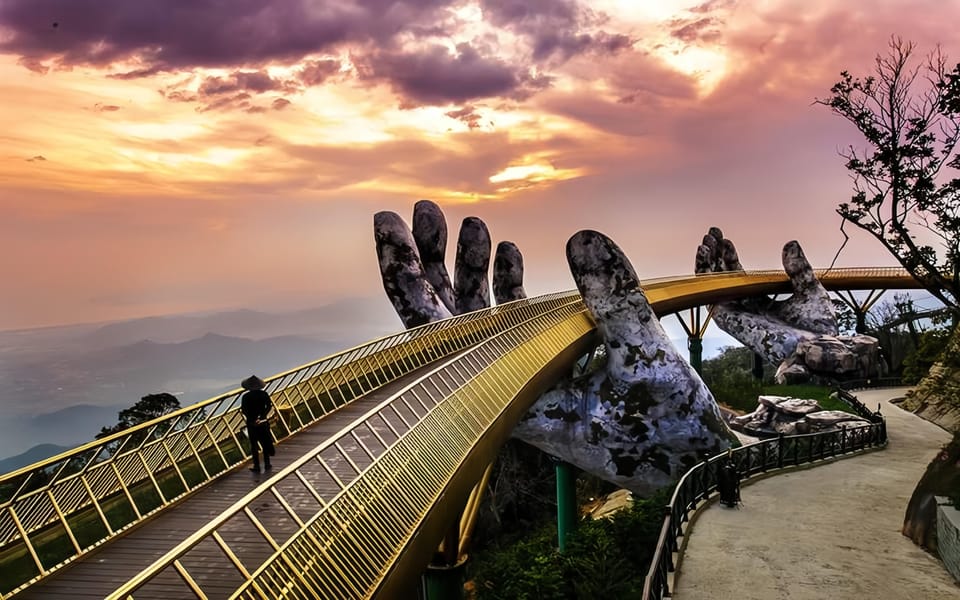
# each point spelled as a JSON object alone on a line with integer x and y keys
{"x": 695, "y": 326}
{"x": 443, "y": 579}
{"x": 566, "y": 501}
{"x": 695, "y": 346}
{"x": 860, "y": 307}
{"x": 444, "y": 582}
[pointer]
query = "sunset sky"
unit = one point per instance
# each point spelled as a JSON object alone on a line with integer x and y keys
{"x": 164, "y": 156}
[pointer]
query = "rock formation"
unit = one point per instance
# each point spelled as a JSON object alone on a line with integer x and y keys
{"x": 790, "y": 416}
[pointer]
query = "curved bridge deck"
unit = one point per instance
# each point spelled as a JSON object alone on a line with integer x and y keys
{"x": 106, "y": 569}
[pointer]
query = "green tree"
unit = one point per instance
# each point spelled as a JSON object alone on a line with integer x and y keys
{"x": 147, "y": 408}
{"x": 731, "y": 380}
{"x": 929, "y": 350}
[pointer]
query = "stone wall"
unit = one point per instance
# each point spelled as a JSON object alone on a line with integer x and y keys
{"x": 948, "y": 536}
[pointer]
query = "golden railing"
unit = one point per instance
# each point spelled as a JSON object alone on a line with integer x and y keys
{"x": 61, "y": 508}
{"x": 362, "y": 513}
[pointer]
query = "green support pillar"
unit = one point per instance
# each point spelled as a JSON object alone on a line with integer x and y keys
{"x": 695, "y": 345}
{"x": 444, "y": 582}
{"x": 443, "y": 579}
{"x": 566, "y": 501}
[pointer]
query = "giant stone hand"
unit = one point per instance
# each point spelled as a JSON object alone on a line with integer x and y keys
{"x": 798, "y": 334}
{"x": 639, "y": 421}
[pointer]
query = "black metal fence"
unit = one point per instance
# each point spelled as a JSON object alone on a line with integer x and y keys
{"x": 700, "y": 481}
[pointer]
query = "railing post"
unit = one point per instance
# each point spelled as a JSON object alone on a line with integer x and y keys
{"x": 704, "y": 489}
{"x": 780, "y": 451}
{"x": 671, "y": 545}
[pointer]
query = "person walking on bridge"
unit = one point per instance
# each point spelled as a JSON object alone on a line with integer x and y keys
{"x": 255, "y": 404}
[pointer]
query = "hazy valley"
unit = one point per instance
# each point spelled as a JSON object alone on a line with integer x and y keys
{"x": 63, "y": 383}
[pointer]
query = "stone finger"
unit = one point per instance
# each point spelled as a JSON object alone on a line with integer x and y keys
{"x": 508, "y": 273}
{"x": 716, "y": 254}
{"x": 810, "y": 306}
{"x": 404, "y": 281}
{"x": 430, "y": 234}
{"x": 471, "y": 283}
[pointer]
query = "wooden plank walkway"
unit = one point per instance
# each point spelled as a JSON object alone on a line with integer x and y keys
{"x": 104, "y": 570}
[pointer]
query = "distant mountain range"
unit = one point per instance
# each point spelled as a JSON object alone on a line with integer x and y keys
{"x": 345, "y": 319}
{"x": 63, "y": 383}
{"x": 35, "y": 454}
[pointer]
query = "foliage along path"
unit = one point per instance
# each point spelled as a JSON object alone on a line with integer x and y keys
{"x": 831, "y": 531}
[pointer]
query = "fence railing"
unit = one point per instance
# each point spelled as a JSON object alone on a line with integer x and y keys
{"x": 61, "y": 508}
{"x": 351, "y": 514}
{"x": 700, "y": 481}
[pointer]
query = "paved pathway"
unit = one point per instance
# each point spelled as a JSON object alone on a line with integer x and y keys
{"x": 831, "y": 531}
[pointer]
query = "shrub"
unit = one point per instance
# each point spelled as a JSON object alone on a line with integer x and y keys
{"x": 606, "y": 558}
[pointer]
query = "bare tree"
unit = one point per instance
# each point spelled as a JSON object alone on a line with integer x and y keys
{"x": 910, "y": 118}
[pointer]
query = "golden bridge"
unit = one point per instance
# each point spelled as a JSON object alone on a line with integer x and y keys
{"x": 388, "y": 445}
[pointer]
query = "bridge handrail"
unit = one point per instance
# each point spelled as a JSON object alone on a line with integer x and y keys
{"x": 152, "y": 465}
{"x": 700, "y": 481}
{"x": 404, "y": 453}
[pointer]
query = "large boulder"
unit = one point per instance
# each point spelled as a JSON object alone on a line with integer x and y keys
{"x": 782, "y": 414}
{"x": 836, "y": 356}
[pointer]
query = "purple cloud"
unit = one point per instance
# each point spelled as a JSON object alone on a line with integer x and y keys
{"x": 172, "y": 35}
{"x": 254, "y": 82}
{"x": 554, "y": 28}
{"x": 435, "y": 76}
{"x": 468, "y": 115}
{"x": 142, "y": 38}
{"x": 318, "y": 71}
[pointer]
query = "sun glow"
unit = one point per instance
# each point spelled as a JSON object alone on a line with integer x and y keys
{"x": 706, "y": 65}
{"x": 522, "y": 176}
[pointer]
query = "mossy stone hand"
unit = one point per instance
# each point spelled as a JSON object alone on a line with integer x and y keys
{"x": 798, "y": 334}
{"x": 640, "y": 420}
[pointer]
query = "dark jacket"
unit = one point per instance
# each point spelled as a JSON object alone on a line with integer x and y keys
{"x": 255, "y": 404}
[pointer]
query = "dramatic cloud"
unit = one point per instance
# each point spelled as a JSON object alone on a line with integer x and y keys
{"x": 554, "y": 28}
{"x": 419, "y": 48}
{"x": 161, "y": 35}
{"x": 317, "y": 72}
{"x": 438, "y": 76}
{"x": 254, "y": 82}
